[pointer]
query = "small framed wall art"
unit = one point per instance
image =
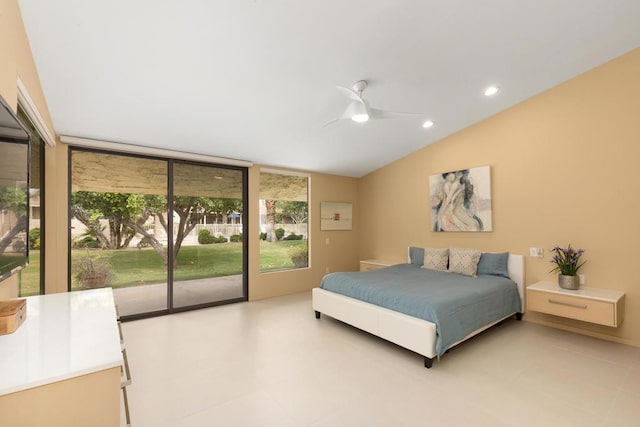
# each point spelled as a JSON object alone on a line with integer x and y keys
{"x": 335, "y": 216}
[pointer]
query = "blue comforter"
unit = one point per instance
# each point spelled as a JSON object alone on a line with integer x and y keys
{"x": 457, "y": 304}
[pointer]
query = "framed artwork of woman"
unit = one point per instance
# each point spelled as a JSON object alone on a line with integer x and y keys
{"x": 461, "y": 200}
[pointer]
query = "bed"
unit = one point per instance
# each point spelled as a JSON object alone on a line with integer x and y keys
{"x": 408, "y": 319}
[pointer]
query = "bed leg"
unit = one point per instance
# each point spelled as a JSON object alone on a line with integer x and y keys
{"x": 428, "y": 362}
{"x": 519, "y": 316}
{"x": 317, "y": 314}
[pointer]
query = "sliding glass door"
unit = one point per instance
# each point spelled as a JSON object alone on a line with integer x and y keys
{"x": 164, "y": 234}
{"x": 118, "y": 228}
{"x": 208, "y": 238}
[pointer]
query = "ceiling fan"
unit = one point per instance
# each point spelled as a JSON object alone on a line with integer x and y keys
{"x": 359, "y": 110}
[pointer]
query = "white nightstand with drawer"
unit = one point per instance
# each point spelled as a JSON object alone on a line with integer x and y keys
{"x": 601, "y": 306}
{"x": 374, "y": 264}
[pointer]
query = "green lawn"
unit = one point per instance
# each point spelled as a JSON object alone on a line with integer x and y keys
{"x": 133, "y": 267}
{"x": 30, "y": 277}
{"x": 276, "y": 255}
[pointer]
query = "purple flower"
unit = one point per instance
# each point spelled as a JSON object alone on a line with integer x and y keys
{"x": 567, "y": 260}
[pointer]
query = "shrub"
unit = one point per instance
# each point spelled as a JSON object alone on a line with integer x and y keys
{"x": 92, "y": 271}
{"x": 279, "y": 233}
{"x": 220, "y": 239}
{"x": 145, "y": 242}
{"x": 236, "y": 237}
{"x": 263, "y": 236}
{"x": 293, "y": 236}
{"x": 19, "y": 245}
{"x": 34, "y": 238}
{"x": 300, "y": 257}
{"x": 86, "y": 241}
{"x": 205, "y": 237}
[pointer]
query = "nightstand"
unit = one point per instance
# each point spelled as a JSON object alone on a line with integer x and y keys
{"x": 595, "y": 305}
{"x": 374, "y": 264}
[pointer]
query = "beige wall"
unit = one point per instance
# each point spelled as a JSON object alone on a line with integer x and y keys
{"x": 57, "y": 218}
{"x": 340, "y": 255}
{"x": 16, "y": 61}
{"x": 564, "y": 170}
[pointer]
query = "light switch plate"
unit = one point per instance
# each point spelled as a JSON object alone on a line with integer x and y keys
{"x": 536, "y": 252}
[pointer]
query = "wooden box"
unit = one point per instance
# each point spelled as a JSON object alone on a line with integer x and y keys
{"x": 12, "y": 314}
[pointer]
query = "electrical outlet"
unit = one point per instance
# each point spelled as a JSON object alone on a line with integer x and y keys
{"x": 326, "y": 270}
{"x": 581, "y": 278}
{"x": 327, "y": 241}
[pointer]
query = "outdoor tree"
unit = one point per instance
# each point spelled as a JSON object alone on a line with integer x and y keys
{"x": 121, "y": 210}
{"x": 127, "y": 215}
{"x": 14, "y": 201}
{"x": 297, "y": 211}
{"x": 270, "y": 206}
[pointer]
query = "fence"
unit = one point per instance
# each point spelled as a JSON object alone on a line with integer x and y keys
{"x": 288, "y": 228}
{"x": 219, "y": 229}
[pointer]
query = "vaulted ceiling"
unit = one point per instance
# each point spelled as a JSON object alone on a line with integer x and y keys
{"x": 255, "y": 79}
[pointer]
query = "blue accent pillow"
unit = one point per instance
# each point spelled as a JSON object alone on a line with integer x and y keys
{"x": 416, "y": 255}
{"x": 494, "y": 264}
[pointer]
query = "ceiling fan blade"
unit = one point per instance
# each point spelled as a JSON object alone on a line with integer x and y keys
{"x": 354, "y": 108}
{"x": 346, "y": 115}
{"x": 382, "y": 114}
{"x": 330, "y": 122}
{"x": 352, "y": 94}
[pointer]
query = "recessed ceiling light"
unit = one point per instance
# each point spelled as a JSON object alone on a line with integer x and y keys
{"x": 491, "y": 90}
{"x": 427, "y": 124}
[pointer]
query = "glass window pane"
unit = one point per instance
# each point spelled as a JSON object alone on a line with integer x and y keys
{"x": 284, "y": 218}
{"x": 31, "y": 278}
{"x": 119, "y": 228}
{"x": 208, "y": 234}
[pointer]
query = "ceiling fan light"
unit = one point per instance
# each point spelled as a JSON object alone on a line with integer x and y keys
{"x": 360, "y": 118}
{"x": 491, "y": 90}
{"x": 428, "y": 124}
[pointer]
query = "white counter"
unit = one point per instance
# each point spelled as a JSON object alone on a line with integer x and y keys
{"x": 64, "y": 336}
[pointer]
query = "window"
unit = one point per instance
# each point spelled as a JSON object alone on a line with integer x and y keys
{"x": 284, "y": 221}
{"x": 31, "y": 280}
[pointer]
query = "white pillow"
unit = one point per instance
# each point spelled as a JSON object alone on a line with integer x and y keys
{"x": 436, "y": 258}
{"x": 464, "y": 261}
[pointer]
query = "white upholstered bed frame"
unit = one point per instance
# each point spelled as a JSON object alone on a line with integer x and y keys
{"x": 409, "y": 332}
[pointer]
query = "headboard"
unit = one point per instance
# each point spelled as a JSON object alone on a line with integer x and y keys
{"x": 515, "y": 266}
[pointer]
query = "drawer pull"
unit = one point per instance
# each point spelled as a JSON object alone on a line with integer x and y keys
{"x": 583, "y": 306}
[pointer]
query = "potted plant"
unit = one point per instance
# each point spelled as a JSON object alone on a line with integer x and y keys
{"x": 567, "y": 261}
{"x": 92, "y": 271}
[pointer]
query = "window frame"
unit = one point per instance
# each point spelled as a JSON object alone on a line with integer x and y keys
{"x": 170, "y": 162}
{"x": 26, "y": 111}
{"x": 309, "y": 216}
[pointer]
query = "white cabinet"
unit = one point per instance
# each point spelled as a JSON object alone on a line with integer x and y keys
{"x": 62, "y": 366}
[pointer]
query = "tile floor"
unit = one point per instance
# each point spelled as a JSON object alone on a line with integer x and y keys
{"x": 271, "y": 363}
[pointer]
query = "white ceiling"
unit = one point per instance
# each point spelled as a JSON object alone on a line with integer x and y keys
{"x": 255, "y": 79}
